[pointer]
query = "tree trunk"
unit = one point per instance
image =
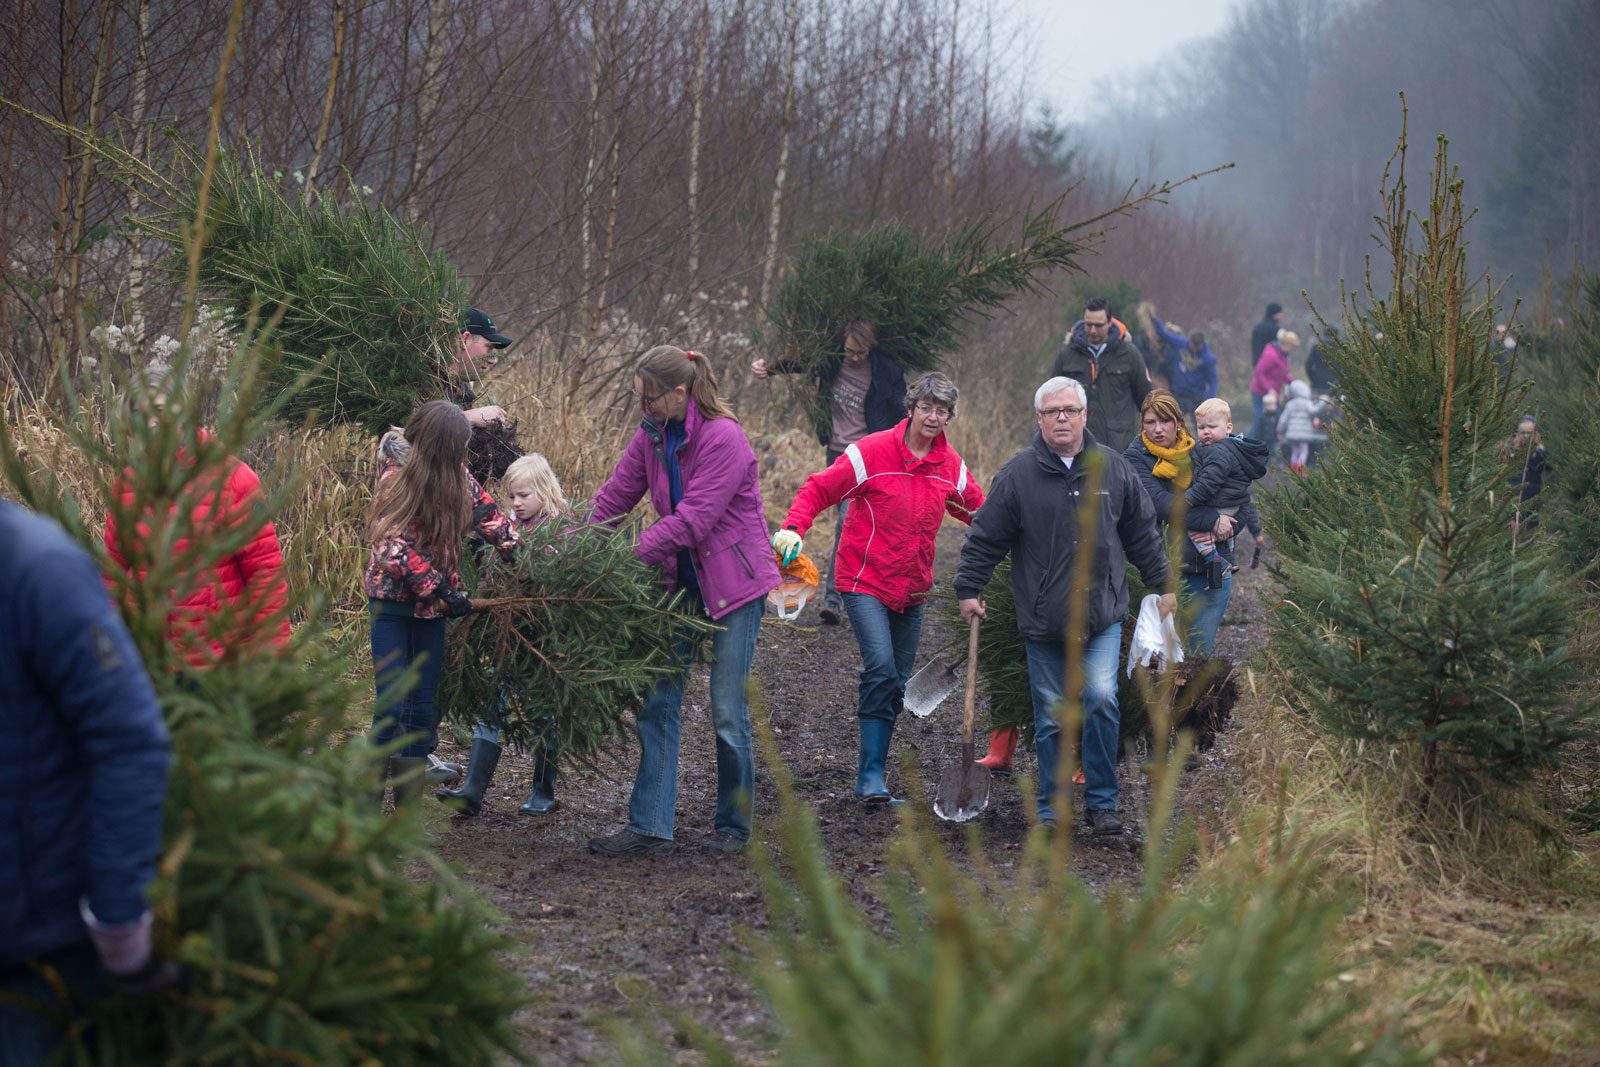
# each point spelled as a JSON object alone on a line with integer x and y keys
{"x": 698, "y": 90}
{"x": 13, "y": 372}
{"x": 428, "y": 95}
{"x": 950, "y": 122}
{"x": 775, "y": 213}
{"x": 141, "y": 148}
{"x": 340, "y": 10}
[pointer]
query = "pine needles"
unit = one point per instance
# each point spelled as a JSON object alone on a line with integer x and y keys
{"x": 585, "y": 630}
{"x": 365, "y": 311}
{"x": 290, "y": 900}
{"x": 1414, "y": 626}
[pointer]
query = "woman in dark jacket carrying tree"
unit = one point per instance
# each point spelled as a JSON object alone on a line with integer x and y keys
{"x": 863, "y": 392}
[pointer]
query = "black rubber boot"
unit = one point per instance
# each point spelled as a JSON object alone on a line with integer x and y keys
{"x": 405, "y": 774}
{"x": 480, "y": 769}
{"x": 542, "y": 800}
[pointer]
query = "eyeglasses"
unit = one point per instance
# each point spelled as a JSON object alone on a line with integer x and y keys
{"x": 932, "y": 409}
{"x": 1059, "y": 414}
{"x": 857, "y": 352}
{"x": 646, "y": 402}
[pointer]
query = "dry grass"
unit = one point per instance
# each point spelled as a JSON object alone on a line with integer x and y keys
{"x": 1484, "y": 938}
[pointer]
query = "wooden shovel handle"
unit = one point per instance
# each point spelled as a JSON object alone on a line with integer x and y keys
{"x": 972, "y": 682}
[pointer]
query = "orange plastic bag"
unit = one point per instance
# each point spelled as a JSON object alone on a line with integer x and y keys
{"x": 798, "y": 582}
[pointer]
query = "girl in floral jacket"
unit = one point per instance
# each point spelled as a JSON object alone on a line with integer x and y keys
{"x": 423, "y": 509}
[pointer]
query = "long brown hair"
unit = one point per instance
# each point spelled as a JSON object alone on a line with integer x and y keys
{"x": 665, "y": 367}
{"x": 429, "y": 496}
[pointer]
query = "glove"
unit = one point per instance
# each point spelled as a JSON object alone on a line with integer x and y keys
{"x": 123, "y": 948}
{"x": 786, "y": 543}
{"x": 456, "y": 604}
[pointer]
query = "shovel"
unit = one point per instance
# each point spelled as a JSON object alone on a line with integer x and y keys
{"x": 963, "y": 790}
{"x": 927, "y": 689}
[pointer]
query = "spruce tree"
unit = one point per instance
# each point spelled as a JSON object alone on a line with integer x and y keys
{"x": 366, "y": 311}
{"x": 291, "y": 902}
{"x": 582, "y": 629}
{"x": 1565, "y": 368}
{"x": 919, "y": 293}
{"x": 1412, "y": 625}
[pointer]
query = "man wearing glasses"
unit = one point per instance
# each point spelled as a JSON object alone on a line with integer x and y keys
{"x": 862, "y": 392}
{"x": 1032, "y": 515}
{"x": 1099, "y": 353}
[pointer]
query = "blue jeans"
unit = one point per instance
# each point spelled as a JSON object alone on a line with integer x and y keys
{"x": 1255, "y": 422}
{"x": 1047, "y": 662}
{"x": 32, "y": 1032}
{"x": 888, "y": 641}
{"x": 843, "y": 509}
{"x": 399, "y": 640}
{"x": 655, "y": 788}
{"x": 1202, "y": 611}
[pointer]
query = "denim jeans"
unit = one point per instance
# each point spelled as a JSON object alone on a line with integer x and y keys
{"x": 655, "y": 788}
{"x": 1101, "y": 724}
{"x": 1255, "y": 422}
{"x": 398, "y": 640}
{"x": 830, "y": 587}
{"x": 888, "y": 641}
{"x": 31, "y": 1032}
{"x": 1202, "y": 611}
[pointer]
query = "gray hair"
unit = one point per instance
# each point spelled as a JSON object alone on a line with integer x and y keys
{"x": 935, "y": 388}
{"x": 1056, "y": 385}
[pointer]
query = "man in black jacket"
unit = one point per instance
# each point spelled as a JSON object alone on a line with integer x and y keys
{"x": 1032, "y": 515}
{"x": 1099, "y": 354}
{"x": 862, "y": 391}
{"x": 1266, "y": 331}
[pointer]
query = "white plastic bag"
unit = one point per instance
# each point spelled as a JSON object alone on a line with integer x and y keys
{"x": 1154, "y": 636}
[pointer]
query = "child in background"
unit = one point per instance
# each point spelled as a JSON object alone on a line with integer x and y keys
{"x": 1299, "y": 426}
{"x": 425, "y": 505}
{"x": 1224, "y": 467}
{"x": 536, "y": 497}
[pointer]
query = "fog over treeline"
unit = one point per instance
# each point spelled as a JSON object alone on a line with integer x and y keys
{"x": 606, "y": 171}
{"x": 1304, "y": 97}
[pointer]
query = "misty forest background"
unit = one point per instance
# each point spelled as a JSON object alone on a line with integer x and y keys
{"x": 607, "y": 173}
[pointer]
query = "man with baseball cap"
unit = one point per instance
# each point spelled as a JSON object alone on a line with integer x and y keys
{"x": 478, "y": 338}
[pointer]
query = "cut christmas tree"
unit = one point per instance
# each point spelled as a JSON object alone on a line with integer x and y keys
{"x": 582, "y": 630}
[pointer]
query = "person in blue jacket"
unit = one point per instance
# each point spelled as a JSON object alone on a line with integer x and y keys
{"x": 83, "y": 780}
{"x": 1191, "y": 366}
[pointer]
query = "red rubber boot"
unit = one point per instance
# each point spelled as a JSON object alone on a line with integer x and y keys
{"x": 1002, "y": 746}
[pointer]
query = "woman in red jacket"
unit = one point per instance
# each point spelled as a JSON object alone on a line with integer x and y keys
{"x": 900, "y": 482}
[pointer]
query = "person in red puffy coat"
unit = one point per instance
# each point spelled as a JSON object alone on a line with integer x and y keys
{"x": 901, "y": 483}
{"x": 244, "y": 589}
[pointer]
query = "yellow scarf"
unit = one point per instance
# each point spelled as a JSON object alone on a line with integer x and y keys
{"x": 1173, "y": 464}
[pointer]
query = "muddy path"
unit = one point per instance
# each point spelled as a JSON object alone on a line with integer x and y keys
{"x": 591, "y": 925}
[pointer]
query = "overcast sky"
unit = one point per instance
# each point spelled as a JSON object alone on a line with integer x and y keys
{"x": 1129, "y": 35}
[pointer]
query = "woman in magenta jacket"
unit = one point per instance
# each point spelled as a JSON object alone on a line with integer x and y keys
{"x": 1272, "y": 374}
{"x": 901, "y": 482}
{"x": 693, "y": 459}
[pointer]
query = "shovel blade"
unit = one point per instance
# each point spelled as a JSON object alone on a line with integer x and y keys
{"x": 963, "y": 790}
{"x": 927, "y": 689}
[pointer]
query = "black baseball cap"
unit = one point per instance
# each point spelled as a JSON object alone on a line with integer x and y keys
{"x": 478, "y": 321}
